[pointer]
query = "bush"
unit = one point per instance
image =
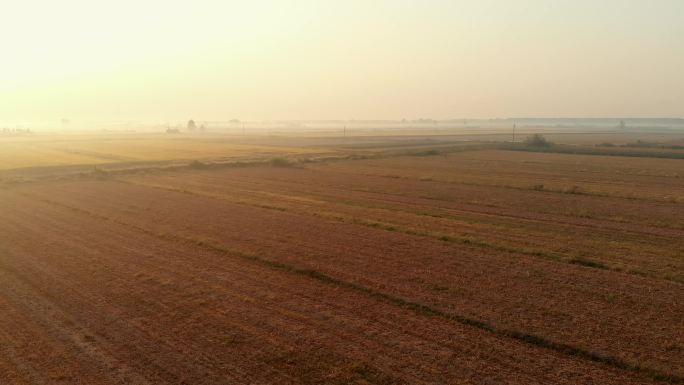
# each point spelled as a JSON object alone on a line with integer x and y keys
{"x": 537, "y": 140}
{"x": 426, "y": 153}
{"x": 99, "y": 173}
{"x": 588, "y": 263}
{"x": 572, "y": 190}
{"x": 196, "y": 164}
{"x": 281, "y": 162}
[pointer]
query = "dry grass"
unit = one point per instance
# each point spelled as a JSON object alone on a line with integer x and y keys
{"x": 59, "y": 150}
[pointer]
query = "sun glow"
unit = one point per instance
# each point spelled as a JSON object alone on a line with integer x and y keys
{"x": 274, "y": 59}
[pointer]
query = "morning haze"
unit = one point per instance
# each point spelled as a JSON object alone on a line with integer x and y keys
{"x": 283, "y": 192}
{"x": 266, "y": 60}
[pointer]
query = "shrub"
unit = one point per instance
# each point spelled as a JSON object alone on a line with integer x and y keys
{"x": 99, "y": 173}
{"x": 588, "y": 263}
{"x": 196, "y": 164}
{"x": 537, "y": 140}
{"x": 426, "y": 153}
{"x": 572, "y": 190}
{"x": 281, "y": 162}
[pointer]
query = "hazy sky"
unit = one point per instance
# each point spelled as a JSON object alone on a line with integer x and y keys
{"x": 318, "y": 59}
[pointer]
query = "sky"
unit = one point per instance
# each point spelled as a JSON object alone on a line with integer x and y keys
{"x": 347, "y": 59}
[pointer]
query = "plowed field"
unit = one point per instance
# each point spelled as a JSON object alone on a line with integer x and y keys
{"x": 455, "y": 269}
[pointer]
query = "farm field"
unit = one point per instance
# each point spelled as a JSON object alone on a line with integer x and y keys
{"x": 42, "y": 150}
{"x": 470, "y": 267}
{"x": 342, "y": 192}
{"x": 106, "y": 149}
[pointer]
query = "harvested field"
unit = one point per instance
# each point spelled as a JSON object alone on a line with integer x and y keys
{"x": 435, "y": 270}
{"x": 43, "y": 150}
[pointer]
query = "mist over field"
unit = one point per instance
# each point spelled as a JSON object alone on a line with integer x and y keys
{"x": 271, "y": 60}
{"x": 342, "y": 192}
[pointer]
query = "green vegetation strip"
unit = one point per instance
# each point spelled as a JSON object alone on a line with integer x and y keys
{"x": 417, "y": 307}
{"x": 586, "y": 150}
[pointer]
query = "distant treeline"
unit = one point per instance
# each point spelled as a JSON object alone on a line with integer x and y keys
{"x": 15, "y": 131}
{"x": 599, "y": 121}
{"x": 644, "y": 144}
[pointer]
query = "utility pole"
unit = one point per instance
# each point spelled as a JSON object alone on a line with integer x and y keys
{"x": 513, "y": 132}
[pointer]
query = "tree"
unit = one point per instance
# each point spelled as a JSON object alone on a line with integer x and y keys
{"x": 537, "y": 140}
{"x": 191, "y": 125}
